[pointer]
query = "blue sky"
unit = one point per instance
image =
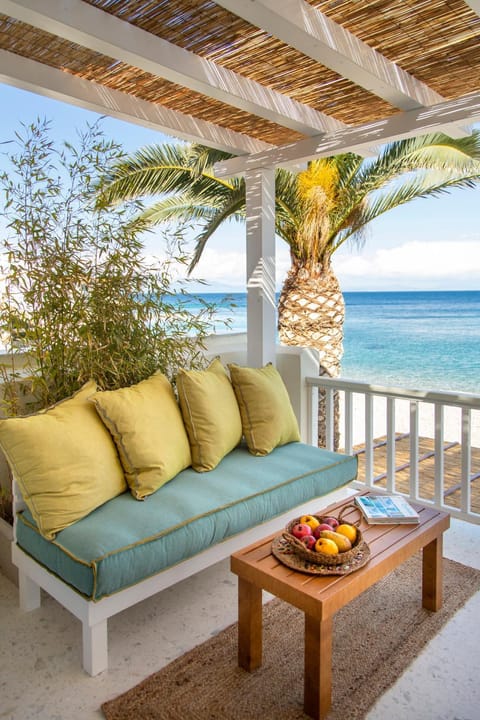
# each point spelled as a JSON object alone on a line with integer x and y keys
{"x": 430, "y": 244}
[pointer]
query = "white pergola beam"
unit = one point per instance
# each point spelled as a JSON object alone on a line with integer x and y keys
{"x": 407, "y": 124}
{"x": 475, "y": 5}
{"x": 90, "y": 27}
{"x": 310, "y": 31}
{"x": 49, "y": 82}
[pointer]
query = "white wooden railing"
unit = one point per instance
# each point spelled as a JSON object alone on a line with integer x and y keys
{"x": 370, "y": 414}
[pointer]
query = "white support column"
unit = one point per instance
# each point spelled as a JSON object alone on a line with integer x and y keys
{"x": 261, "y": 318}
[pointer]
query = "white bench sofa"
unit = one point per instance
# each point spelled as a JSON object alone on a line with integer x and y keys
{"x": 124, "y": 551}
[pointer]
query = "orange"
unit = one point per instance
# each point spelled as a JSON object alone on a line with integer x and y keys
{"x": 350, "y": 531}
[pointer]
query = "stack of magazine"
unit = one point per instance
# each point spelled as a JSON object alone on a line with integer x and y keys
{"x": 391, "y": 509}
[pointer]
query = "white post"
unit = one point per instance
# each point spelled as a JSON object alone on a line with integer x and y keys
{"x": 95, "y": 647}
{"x": 261, "y": 318}
{"x": 28, "y": 593}
{"x": 414, "y": 486}
{"x": 369, "y": 465}
{"x": 391, "y": 455}
{"x": 466, "y": 460}
{"x": 439, "y": 456}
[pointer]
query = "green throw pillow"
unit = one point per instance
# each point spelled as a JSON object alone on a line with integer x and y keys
{"x": 64, "y": 461}
{"x": 210, "y": 413}
{"x": 267, "y": 415}
{"x": 146, "y": 424}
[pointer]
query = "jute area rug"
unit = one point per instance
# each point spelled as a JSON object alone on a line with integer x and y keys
{"x": 375, "y": 639}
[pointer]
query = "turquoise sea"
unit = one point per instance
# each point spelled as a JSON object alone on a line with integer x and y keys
{"x": 417, "y": 340}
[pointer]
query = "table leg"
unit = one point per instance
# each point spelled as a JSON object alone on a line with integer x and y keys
{"x": 249, "y": 625}
{"x": 432, "y": 574}
{"x": 318, "y": 666}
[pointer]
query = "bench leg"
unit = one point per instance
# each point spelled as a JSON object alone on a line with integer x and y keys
{"x": 95, "y": 647}
{"x": 29, "y": 593}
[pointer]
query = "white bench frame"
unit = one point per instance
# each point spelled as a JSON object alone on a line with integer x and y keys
{"x": 32, "y": 576}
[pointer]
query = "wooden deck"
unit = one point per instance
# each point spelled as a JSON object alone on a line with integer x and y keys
{"x": 426, "y": 469}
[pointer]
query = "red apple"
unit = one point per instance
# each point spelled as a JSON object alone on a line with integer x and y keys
{"x": 319, "y": 528}
{"x": 300, "y": 530}
{"x": 333, "y": 522}
{"x": 309, "y": 541}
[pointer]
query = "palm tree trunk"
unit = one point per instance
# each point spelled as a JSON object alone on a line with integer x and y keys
{"x": 311, "y": 313}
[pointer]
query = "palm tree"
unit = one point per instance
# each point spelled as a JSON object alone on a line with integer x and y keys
{"x": 317, "y": 211}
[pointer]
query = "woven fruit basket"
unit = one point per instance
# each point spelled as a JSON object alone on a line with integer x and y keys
{"x": 319, "y": 558}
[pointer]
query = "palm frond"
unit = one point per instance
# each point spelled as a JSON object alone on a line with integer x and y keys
{"x": 177, "y": 207}
{"x": 159, "y": 169}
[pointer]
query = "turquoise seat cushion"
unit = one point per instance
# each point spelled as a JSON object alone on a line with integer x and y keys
{"x": 125, "y": 540}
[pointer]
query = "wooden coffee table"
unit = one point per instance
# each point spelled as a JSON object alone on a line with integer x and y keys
{"x": 320, "y": 596}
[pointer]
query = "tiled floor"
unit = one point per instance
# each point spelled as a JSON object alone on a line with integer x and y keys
{"x": 41, "y": 677}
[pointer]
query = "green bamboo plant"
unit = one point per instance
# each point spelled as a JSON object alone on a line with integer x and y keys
{"x": 79, "y": 298}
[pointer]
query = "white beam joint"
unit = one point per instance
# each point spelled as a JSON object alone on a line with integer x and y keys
{"x": 410, "y": 123}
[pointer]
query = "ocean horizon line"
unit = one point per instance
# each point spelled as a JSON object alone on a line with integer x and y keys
{"x": 215, "y": 291}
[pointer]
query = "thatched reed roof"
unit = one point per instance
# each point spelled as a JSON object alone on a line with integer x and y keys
{"x": 247, "y": 75}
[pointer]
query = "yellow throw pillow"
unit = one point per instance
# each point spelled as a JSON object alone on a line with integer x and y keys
{"x": 210, "y": 413}
{"x": 268, "y": 419}
{"x": 64, "y": 461}
{"x": 146, "y": 424}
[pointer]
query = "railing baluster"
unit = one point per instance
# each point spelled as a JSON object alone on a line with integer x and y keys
{"x": 414, "y": 490}
{"x": 439, "y": 459}
{"x": 391, "y": 444}
{"x": 329, "y": 419}
{"x": 465, "y": 499}
{"x": 363, "y": 434}
{"x": 348, "y": 404}
{"x": 312, "y": 409}
{"x": 369, "y": 440}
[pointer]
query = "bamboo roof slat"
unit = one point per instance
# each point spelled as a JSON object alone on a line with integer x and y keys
{"x": 435, "y": 41}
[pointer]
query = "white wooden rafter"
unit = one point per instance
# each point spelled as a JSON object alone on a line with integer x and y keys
{"x": 43, "y": 80}
{"x": 310, "y": 31}
{"x": 93, "y": 28}
{"x": 406, "y": 124}
{"x": 475, "y": 5}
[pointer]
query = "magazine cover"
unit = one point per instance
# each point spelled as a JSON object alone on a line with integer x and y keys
{"x": 386, "y": 509}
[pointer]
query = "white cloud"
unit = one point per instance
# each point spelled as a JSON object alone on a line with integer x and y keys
{"x": 415, "y": 264}
{"x": 228, "y": 268}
